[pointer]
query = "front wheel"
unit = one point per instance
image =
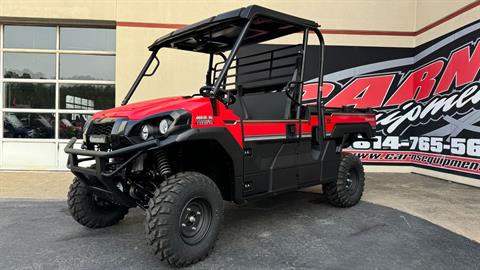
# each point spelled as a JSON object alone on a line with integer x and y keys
{"x": 90, "y": 210}
{"x": 347, "y": 190}
{"x": 183, "y": 218}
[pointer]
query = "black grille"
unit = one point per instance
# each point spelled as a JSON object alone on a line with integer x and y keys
{"x": 101, "y": 129}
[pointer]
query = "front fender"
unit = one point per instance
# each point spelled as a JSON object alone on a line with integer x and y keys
{"x": 223, "y": 137}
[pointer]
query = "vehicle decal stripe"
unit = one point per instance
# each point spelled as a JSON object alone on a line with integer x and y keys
{"x": 264, "y": 138}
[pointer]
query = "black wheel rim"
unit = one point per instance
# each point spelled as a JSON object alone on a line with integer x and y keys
{"x": 195, "y": 220}
{"x": 351, "y": 181}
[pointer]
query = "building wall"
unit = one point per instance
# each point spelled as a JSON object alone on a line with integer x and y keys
{"x": 370, "y": 23}
{"x": 152, "y": 19}
{"x": 429, "y": 12}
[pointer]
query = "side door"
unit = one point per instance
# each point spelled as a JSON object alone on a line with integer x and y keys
{"x": 310, "y": 150}
{"x": 270, "y": 146}
{"x": 270, "y": 162}
{"x": 318, "y": 158}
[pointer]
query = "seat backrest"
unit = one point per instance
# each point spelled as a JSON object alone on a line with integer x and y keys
{"x": 273, "y": 105}
{"x": 266, "y": 100}
{"x": 238, "y": 106}
{"x": 265, "y": 106}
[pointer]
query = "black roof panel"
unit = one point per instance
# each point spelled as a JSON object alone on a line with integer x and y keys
{"x": 219, "y": 33}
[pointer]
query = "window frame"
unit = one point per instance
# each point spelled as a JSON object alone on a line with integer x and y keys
{"x": 57, "y": 81}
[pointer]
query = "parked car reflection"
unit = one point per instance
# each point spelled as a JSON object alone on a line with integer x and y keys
{"x": 71, "y": 125}
{"x": 29, "y": 125}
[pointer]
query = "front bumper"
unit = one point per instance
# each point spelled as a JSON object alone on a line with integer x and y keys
{"x": 101, "y": 169}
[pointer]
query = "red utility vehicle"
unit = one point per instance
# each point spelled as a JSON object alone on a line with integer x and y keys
{"x": 245, "y": 135}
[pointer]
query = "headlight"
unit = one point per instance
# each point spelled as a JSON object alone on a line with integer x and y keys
{"x": 163, "y": 126}
{"x": 145, "y": 132}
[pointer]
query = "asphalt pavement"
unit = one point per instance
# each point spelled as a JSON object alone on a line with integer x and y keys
{"x": 292, "y": 231}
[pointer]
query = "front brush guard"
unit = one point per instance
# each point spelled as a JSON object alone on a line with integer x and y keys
{"x": 102, "y": 160}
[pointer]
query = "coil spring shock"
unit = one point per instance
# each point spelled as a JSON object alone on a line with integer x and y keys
{"x": 163, "y": 166}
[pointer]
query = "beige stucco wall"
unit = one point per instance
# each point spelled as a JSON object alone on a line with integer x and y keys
{"x": 429, "y": 11}
{"x": 332, "y": 14}
{"x": 63, "y": 9}
{"x": 180, "y": 72}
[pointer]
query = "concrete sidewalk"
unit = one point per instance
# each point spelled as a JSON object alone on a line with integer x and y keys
{"x": 35, "y": 185}
{"x": 453, "y": 206}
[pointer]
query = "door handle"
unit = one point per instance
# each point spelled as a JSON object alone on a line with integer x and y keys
{"x": 291, "y": 131}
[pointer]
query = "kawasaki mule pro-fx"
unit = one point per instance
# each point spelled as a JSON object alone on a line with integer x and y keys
{"x": 246, "y": 134}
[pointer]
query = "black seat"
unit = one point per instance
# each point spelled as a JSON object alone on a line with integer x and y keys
{"x": 266, "y": 106}
{"x": 238, "y": 106}
{"x": 261, "y": 106}
{"x": 266, "y": 99}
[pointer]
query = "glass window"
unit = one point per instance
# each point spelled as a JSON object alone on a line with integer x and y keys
{"x": 87, "y": 67}
{"x": 29, "y": 65}
{"x": 29, "y": 37}
{"x": 44, "y": 102}
{"x": 29, "y": 95}
{"x": 28, "y": 125}
{"x": 87, "y": 96}
{"x": 71, "y": 125}
{"x": 91, "y": 39}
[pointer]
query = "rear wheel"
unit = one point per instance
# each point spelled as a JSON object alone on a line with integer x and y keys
{"x": 90, "y": 210}
{"x": 347, "y": 190}
{"x": 183, "y": 218}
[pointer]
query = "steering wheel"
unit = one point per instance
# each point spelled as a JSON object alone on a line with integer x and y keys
{"x": 205, "y": 90}
{"x": 225, "y": 97}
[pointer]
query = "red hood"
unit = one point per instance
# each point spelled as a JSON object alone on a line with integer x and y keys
{"x": 140, "y": 110}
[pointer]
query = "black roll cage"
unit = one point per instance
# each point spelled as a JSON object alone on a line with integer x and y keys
{"x": 214, "y": 93}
